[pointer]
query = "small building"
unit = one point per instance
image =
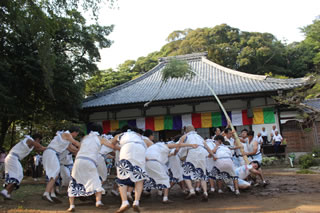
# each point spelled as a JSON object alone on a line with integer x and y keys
{"x": 301, "y": 136}
{"x": 181, "y": 102}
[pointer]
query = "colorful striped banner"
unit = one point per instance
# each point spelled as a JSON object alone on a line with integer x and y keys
{"x": 122, "y": 124}
{"x": 245, "y": 119}
{"x": 177, "y": 122}
{"x": 132, "y": 123}
{"x": 168, "y": 122}
{"x": 216, "y": 119}
{"x": 224, "y": 119}
{"x": 186, "y": 120}
{"x": 263, "y": 116}
{"x": 141, "y": 123}
{"x": 237, "y": 118}
{"x": 158, "y": 123}
{"x": 258, "y": 116}
{"x": 114, "y": 125}
{"x": 150, "y": 123}
{"x": 106, "y": 126}
{"x": 198, "y": 120}
{"x": 206, "y": 120}
{"x": 268, "y": 116}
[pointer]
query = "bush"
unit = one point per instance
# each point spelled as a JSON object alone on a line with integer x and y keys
{"x": 306, "y": 161}
{"x": 316, "y": 152}
{"x": 267, "y": 161}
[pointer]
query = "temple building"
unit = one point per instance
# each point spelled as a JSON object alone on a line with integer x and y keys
{"x": 181, "y": 102}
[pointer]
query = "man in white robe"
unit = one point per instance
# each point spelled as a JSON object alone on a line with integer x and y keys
{"x": 195, "y": 164}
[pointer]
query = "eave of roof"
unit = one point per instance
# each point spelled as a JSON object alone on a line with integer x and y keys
{"x": 313, "y": 104}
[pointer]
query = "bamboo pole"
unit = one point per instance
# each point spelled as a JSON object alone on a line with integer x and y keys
{"x": 237, "y": 140}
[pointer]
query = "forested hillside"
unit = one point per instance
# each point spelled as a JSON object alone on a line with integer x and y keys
{"x": 251, "y": 52}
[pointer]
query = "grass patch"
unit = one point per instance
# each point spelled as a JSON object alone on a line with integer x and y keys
{"x": 305, "y": 171}
{"x": 28, "y": 190}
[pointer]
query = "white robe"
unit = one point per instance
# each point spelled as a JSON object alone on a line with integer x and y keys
{"x": 243, "y": 172}
{"x": 175, "y": 168}
{"x": 194, "y": 168}
{"x": 132, "y": 159}
{"x": 224, "y": 165}
{"x": 210, "y": 163}
{"x": 157, "y": 157}
{"x": 13, "y": 168}
{"x": 66, "y": 164}
{"x": 85, "y": 173}
{"x": 102, "y": 167}
{"x": 51, "y": 161}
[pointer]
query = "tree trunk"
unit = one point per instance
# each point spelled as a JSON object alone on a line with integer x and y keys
{"x": 13, "y": 131}
{"x": 5, "y": 124}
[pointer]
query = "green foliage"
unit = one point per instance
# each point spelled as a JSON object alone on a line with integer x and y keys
{"x": 305, "y": 171}
{"x": 316, "y": 152}
{"x": 299, "y": 56}
{"x": 47, "y": 52}
{"x": 270, "y": 74}
{"x": 295, "y": 99}
{"x": 312, "y": 33}
{"x": 250, "y": 52}
{"x": 306, "y": 161}
{"x": 268, "y": 161}
{"x": 107, "y": 79}
{"x": 176, "y": 69}
{"x": 314, "y": 92}
{"x": 177, "y": 35}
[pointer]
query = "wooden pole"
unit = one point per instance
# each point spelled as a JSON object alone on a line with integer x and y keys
{"x": 236, "y": 137}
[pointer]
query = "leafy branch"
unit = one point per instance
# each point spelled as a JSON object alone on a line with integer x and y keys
{"x": 175, "y": 68}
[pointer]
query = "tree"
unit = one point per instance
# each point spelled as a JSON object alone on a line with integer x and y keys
{"x": 299, "y": 57}
{"x": 312, "y": 33}
{"x": 107, "y": 79}
{"x": 47, "y": 51}
{"x": 250, "y": 52}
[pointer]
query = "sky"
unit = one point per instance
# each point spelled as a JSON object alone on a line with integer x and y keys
{"x": 142, "y": 26}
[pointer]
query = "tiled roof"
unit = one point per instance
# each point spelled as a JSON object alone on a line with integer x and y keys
{"x": 314, "y": 103}
{"x": 223, "y": 80}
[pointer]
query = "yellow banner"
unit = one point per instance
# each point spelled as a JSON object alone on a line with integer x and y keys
{"x": 114, "y": 124}
{"x": 159, "y": 123}
{"x": 206, "y": 120}
{"x": 258, "y": 116}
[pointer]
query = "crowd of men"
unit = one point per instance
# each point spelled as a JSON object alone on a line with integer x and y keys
{"x": 142, "y": 164}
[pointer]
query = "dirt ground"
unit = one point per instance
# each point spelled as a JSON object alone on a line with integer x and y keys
{"x": 287, "y": 192}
